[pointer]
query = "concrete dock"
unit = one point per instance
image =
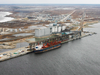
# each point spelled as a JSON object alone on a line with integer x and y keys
{"x": 82, "y": 35}
{"x": 13, "y": 53}
{"x": 24, "y": 50}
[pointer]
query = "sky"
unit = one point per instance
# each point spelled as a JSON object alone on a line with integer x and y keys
{"x": 49, "y": 1}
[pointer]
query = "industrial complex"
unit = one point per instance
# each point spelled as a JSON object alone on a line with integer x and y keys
{"x": 41, "y": 32}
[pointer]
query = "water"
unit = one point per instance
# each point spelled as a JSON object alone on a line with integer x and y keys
{"x": 3, "y": 18}
{"x": 79, "y": 57}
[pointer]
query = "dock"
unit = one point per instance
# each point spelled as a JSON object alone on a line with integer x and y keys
{"x": 24, "y": 50}
{"x": 82, "y": 35}
{"x": 13, "y": 53}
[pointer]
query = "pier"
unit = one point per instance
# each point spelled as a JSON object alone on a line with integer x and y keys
{"x": 24, "y": 50}
{"x": 13, "y": 53}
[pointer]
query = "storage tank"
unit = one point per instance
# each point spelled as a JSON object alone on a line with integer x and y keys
{"x": 59, "y": 29}
{"x": 47, "y": 31}
{"x": 63, "y": 27}
{"x": 11, "y": 30}
{"x": 36, "y": 32}
{"x": 39, "y": 32}
{"x": 20, "y": 29}
{"x": 53, "y": 29}
{"x": 15, "y": 30}
{"x": 42, "y": 32}
{"x": 50, "y": 25}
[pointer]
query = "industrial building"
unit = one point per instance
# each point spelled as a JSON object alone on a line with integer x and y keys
{"x": 49, "y": 29}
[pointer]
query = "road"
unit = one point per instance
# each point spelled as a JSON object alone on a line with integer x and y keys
{"x": 65, "y": 18}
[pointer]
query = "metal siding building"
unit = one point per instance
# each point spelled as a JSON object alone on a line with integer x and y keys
{"x": 52, "y": 28}
{"x": 47, "y": 31}
{"x": 42, "y": 32}
{"x": 39, "y": 32}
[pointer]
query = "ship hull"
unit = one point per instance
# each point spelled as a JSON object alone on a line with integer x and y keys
{"x": 48, "y": 48}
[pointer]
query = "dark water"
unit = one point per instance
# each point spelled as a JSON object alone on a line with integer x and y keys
{"x": 79, "y": 57}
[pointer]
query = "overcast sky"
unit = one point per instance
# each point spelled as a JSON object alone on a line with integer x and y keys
{"x": 49, "y": 1}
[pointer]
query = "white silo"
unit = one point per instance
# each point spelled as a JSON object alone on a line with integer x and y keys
{"x": 37, "y": 32}
{"x": 20, "y": 29}
{"x": 42, "y": 32}
{"x": 15, "y": 30}
{"x": 47, "y": 31}
{"x": 59, "y": 28}
{"x": 53, "y": 29}
{"x": 63, "y": 27}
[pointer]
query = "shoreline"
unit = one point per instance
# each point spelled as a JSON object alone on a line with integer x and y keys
{"x": 5, "y": 19}
{"x": 24, "y": 50}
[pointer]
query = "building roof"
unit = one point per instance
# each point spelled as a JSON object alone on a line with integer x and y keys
{"x": 42, "y": 38}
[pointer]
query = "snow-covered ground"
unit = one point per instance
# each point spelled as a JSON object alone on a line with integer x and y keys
{"x": 3, "y": 18}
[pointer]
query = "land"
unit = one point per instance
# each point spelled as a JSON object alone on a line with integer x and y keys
{"x": 25, "y": 50}
{"x": 26, "y": 16}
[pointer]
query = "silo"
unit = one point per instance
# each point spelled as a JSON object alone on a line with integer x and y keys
{"x": 42, "y": 32}
{"x": 15, "y": 30}
{"x": 59, "y": 29}
{"x": 20, "y": 29}
{"x": 63, "y": 27}
{"x": 47, "y": 31}
{"x": 37, "y": 32}
{"x": 11, "y": 30}
{"x": 53, "y": 29}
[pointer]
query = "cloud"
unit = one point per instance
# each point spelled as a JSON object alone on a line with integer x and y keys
{"x": 49, "y": 2}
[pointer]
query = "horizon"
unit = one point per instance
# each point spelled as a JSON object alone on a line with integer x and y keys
{"x": 50, "y": 2}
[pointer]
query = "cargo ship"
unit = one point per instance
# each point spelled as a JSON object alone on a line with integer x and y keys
{"x": 51, "y": 42}
{"x": 51, "y": 37}
{"x": 47, "y": 47}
